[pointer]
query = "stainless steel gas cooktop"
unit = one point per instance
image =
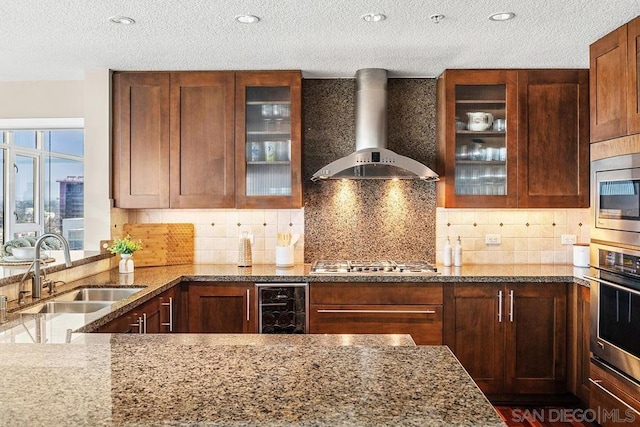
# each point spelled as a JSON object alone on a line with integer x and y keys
{"x": 373, "y": 267}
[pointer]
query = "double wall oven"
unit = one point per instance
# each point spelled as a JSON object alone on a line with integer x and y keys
{"x": 615, "y": 264}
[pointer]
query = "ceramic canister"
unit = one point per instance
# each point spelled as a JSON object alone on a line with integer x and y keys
{"x": 581, "y": 255}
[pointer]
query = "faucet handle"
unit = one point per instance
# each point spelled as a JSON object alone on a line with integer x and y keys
{"x": 22, "y": 295}
{"x": 48, "y": 283}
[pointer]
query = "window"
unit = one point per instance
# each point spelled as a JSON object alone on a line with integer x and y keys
{"x": 42, "y": 180}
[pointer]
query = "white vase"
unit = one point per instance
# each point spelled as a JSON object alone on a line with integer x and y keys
{"x": 126, "y": 263}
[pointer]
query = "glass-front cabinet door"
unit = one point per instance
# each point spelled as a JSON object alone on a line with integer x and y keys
{"x": 479, "y": 138}
{"x": 268, "y": 144}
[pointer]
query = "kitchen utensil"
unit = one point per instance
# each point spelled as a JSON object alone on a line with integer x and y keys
{"x": 479, "y": 121}
{"x": 284, "y": 239}
{"x": 164, "y": 244}
{"x": 294, "y": 239}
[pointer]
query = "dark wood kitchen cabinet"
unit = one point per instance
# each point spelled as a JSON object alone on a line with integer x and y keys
{"x": 535, "y": 155}
{"x": 553, "y": 138}
{"x": 173, "y": 139}
{"x": 511, "y": 338}
{"x": 378, "y": 308}
{"x": 615, "y": 83}
{"x": 268, "y": 140}
{"x": 578, "y": 329}
{"x": 202, "y": 140}
{"x": 221, "y": 307}
{"x": 141, "y": 140}
{"x": 158, "y": 315}
{"x": 186, "y": 139}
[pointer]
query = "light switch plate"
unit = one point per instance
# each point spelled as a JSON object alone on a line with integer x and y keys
{"x": 568, "y": 239}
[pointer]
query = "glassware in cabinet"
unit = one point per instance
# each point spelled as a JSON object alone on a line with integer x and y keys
{"x": 480, "y": 140}
{"x": 268, "y": 140}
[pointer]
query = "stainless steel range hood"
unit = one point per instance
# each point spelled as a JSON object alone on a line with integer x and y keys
{"x": 372, "y": 160}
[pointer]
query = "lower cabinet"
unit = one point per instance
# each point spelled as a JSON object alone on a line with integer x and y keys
{"x": 511, "y": 338}
{"x": 378, "y": 308}
{"x": 158, "y": 315}
{"x": 578, "y": 341}
{"x": 221, "y": 307}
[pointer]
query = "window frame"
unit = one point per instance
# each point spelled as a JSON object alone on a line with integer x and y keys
{"x": 11, "y": 226}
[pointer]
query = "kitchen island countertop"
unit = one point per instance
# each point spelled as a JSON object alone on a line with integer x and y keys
{"x": 104, "y": 380}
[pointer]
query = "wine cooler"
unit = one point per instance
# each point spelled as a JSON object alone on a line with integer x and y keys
{"x": 283, "y": 308}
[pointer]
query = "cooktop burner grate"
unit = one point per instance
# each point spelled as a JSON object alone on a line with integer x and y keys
{"x": 372, "y": 267}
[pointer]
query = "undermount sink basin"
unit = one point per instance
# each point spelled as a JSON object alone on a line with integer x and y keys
{"x": 67, "y": 307}
{"x": 98, "y": 294}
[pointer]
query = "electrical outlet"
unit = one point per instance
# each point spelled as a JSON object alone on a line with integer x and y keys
{"x": 568, "y": 239}
{"x": 492, "y": 239}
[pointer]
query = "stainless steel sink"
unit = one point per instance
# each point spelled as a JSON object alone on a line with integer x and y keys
{"x": 98, "y": 294}
{"x": 67, "y": 307}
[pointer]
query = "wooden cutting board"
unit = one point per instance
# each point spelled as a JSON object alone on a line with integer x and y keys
{"x": 163, "y": 244}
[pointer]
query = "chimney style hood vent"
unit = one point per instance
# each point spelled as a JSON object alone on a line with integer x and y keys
{"x": 372, "y": 160}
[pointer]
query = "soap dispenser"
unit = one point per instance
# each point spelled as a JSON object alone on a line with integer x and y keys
{"x": 457, "y": 253}
{"x": 446, "y": 255}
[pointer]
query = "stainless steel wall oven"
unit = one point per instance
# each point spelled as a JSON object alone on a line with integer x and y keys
{"x": 615, "y": 307}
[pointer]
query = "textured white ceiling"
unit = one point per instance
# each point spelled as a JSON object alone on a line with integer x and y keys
{"x": 59, "y": 39}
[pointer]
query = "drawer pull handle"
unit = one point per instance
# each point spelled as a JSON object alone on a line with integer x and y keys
{"x": 170, "y": 305}
{"x": 601, "y": 387}
{"x": 511, "y": 306}
{"x": 337, "y": 310}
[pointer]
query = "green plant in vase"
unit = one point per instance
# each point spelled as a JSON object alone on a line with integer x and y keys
{"x": 125, "y": 248}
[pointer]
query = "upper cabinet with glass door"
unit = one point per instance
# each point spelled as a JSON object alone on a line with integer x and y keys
{"x": 477, "y": 138}
{"x": 268, "y": 140}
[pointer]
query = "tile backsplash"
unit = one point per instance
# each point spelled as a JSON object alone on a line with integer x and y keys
{"x": 531, "y": 236}
{"x": 217, "y": 230}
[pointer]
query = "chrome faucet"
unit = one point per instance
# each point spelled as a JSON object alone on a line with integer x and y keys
{"x": 36, "y": 284}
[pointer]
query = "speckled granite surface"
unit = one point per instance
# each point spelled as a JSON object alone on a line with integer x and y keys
{"x": 106, "y": 380}
{"x": 158, "y": 279}
{"x": 368, "y": 218}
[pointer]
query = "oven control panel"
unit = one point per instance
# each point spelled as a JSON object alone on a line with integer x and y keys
{"x": 619, "y": 262}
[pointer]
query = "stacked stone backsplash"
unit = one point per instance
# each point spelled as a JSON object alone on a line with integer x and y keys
{"x": 368, "y": 219}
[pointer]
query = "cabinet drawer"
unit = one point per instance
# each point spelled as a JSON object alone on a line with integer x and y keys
{"x": 422, "y": 322}
{"x": 376, "y": 293}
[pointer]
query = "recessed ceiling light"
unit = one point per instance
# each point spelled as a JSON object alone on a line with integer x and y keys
{"x": 247, "y": 19}
{"x": 374, "y": 17}
{"x": 502, "y": 16}
{"x": 436, "y": 18}
{"x": 124, "y": 20}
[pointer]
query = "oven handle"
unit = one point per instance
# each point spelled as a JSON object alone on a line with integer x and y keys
{"x": 601, "y": 387}
{"x": 613, "y": 285}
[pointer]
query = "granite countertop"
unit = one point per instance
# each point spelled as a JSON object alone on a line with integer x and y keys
{"x": 320, "y": 380}
{"x": 156, "y": 280}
